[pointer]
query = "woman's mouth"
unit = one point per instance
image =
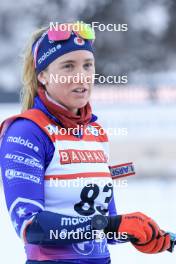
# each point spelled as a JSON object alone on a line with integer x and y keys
{"x": 80, "y": 90}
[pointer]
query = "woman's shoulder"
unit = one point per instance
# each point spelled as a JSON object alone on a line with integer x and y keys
{"x": 24, "y": 135}
{"x": 26, "y": 131}
{"x": 24, "y": 126}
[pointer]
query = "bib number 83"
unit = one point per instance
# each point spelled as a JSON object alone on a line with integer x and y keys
{"x": 88, "y": 195}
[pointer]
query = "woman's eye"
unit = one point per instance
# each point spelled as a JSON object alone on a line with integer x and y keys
{"x": 68, "y": 66}
{"x": 88, "y": 65}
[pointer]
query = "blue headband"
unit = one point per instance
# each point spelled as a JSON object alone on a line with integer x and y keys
{"x": 49, "y": 50}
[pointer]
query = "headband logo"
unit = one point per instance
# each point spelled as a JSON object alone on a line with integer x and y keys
{"x": 79, "y": 41}
{"x": 58, "y": 46}
{"x": 46, "y": 55}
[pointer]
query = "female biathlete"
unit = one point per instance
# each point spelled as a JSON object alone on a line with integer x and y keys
{"x": 54, "y": 160}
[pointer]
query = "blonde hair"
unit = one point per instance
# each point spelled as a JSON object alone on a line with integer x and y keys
{"x": 29, "y": 77}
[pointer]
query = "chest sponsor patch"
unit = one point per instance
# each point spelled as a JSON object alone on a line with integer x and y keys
{"x": 82, "y": 156}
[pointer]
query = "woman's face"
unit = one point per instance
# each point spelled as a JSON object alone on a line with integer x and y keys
{"x": 69, "y": 79}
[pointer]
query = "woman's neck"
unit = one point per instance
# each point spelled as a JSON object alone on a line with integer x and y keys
{"x": 59, "y": 104}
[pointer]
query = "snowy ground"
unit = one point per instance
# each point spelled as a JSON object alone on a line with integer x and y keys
{"x": 155, "y": 198}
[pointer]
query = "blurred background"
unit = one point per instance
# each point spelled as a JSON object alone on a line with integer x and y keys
{"x": 145, "y": 106}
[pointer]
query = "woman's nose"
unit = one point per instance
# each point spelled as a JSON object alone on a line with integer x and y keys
{"x": 83, "y": 76}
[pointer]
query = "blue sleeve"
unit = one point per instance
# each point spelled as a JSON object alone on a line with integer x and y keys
{"x": 112, "y": 207}
{"x": 48, "y": 228}
{"x": 112, "y": 212}
{"x": 25, "y": 151}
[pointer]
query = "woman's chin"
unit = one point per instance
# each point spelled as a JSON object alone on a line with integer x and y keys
{"x": 80, "y": 103}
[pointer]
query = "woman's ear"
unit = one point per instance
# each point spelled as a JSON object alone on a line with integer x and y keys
{"x": 42, "y": 78}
